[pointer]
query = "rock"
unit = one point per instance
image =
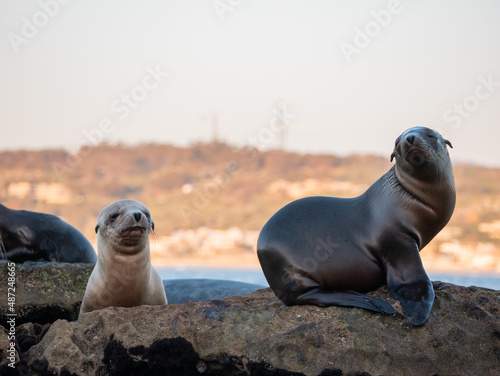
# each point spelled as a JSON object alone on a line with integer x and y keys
{"x": 5, "y": 345}
{"x": 45, "y": 291}
{"x": 255, "y": 334}
{"x": 184, "y": 290}
{"x": 48, "y": 291}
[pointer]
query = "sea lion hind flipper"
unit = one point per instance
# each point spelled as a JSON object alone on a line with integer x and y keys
{"x": 346, "y": 298}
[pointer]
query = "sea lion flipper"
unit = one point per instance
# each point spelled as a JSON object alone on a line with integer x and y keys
{"x": 416, "y": 298}
{"x": 412, "y": 287}
{"x": 347, "y": 298}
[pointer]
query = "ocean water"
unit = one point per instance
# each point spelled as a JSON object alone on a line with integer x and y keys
{"x": 242, "y": 275}
{"x": 491, "y": 281}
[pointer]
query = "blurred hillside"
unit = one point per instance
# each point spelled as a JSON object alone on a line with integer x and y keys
{"x": 213, "y": 198}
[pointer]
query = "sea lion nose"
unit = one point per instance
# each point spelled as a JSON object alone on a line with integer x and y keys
{"x": 137, "y": 216}
{"x": 410, "y": 139}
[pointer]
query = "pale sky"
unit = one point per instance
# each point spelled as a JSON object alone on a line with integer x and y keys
{"x": 353, "y": 74}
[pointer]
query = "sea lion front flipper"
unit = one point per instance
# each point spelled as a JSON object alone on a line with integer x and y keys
{"x": 416, "y": 298}
{"x": 408, "y": 283}
{"x": 21, "y": 254}
{"x": 346, "y": 298}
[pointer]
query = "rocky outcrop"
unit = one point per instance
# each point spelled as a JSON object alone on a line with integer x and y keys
{"x": 255, "y": 334}
{"x": 45, "y": 291}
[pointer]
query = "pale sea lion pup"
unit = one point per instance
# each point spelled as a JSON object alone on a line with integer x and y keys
{"x": 327, "y": 251}
{"x": 123, "y": 275}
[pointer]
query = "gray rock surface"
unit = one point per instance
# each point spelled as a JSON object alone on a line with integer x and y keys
{"x": 255, "y": 334}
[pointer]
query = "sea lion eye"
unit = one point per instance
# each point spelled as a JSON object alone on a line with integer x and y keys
{"x": 148, "y": 216}
{"x": 112, "y": 217}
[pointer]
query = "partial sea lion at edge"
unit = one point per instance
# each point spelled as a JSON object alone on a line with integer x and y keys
{"x": 32, "y": 236}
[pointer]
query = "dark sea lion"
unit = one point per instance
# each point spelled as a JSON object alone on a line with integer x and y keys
{"x": 327, "y": 251}
{"x": 123, "y": 275}
{"x": 31, "y": 236}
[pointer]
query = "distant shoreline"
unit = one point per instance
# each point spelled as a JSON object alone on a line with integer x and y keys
{"x": 251, "y": 262}
{"x": 247, "y": 262}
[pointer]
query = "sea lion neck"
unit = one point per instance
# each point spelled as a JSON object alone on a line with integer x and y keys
{"x": 125, "y": 263}
{"x": 438, "y": 194}
{"x": 113, "y": 248}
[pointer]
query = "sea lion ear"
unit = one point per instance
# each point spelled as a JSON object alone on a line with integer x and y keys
{"x": 96, "y": 228}
{"x": 448, "y": 143}
{"x": 392, "y": 156}
{"x": 25, "y": 234}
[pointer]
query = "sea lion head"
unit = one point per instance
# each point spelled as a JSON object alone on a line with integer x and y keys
{"x": 15, "y": 237}
{"x": 124, "y": 225}
{"x": 421, "y": 152}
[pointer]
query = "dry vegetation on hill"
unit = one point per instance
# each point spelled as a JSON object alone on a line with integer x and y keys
{"x": 219, "y": 186}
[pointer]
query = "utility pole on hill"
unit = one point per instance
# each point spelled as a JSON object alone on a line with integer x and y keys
{"x": 214, "y": 123}
{"x": 283, "y": 123}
